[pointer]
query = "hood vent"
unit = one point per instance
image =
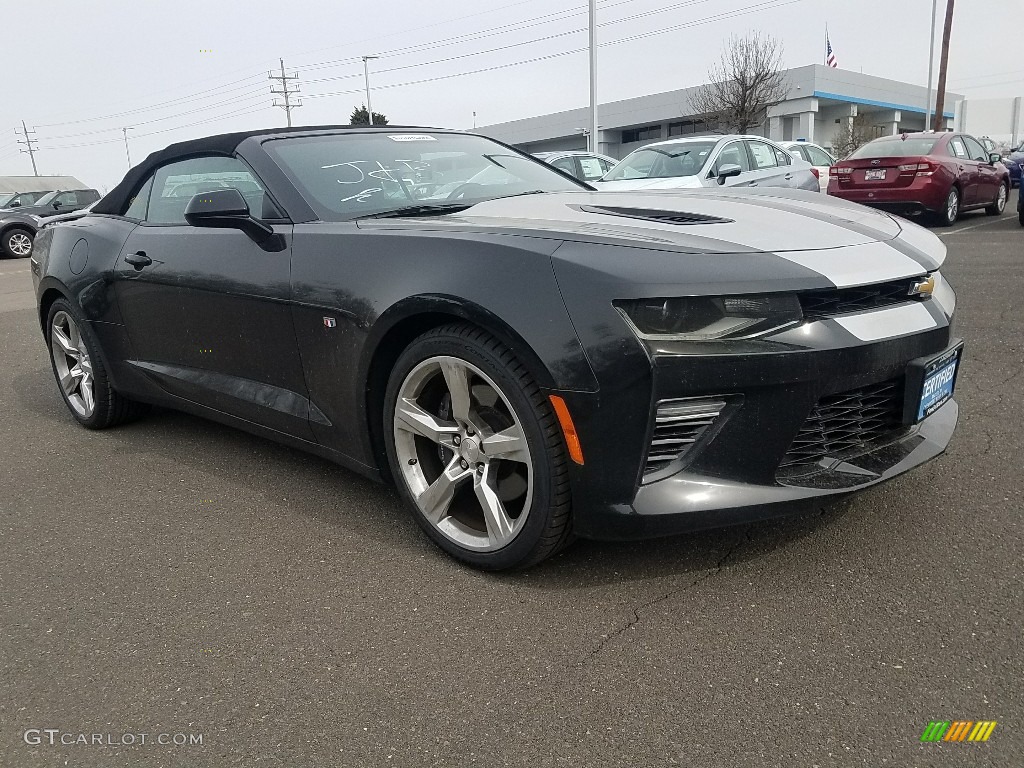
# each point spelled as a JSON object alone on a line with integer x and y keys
{"x": 653, "y": 214}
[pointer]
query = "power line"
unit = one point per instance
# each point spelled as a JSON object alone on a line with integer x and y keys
{"x": 286, "y": 92}
{"x": 767, "y": 5}
{"x": 28, "y": 142}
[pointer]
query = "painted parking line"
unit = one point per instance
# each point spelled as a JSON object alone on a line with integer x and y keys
{"x": 993, "y": 220}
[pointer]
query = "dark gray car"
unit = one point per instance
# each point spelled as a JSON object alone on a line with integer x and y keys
{"x": 18, "y": 227}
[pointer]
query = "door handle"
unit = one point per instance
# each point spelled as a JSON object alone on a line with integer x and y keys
{"x": 752, "y": 184}
{"x": 138, "y": 260}
{"x": 789, "y": 176}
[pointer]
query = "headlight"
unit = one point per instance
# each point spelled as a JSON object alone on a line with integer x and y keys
{"x": 705, "y": 318}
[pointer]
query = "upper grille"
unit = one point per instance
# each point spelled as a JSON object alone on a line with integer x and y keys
{"x": 678, "y": 424}
{"x": 846, "y": 425}
{"x": 838, "y": 301}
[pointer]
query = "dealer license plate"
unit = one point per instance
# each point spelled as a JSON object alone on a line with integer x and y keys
{"x": 939, "y": 380}
{"x": 874, "y": 175}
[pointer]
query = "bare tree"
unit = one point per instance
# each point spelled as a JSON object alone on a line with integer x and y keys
{"x": 852, "y": 135}
{"x": 746, "y": 81}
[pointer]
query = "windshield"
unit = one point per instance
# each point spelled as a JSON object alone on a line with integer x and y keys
{"x": 663, "y": 161}
{"x": 46, "y": 199}
{"x": 346, "y": 176}
{"x": 5, "y": 199}
{"x": 896, "y": 147}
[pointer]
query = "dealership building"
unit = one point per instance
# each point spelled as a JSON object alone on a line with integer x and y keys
{"x": 818, "y": 101}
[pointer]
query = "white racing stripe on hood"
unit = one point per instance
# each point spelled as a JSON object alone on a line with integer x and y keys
{"x": 888, "y": 323}
{"x": 856, "y": 264}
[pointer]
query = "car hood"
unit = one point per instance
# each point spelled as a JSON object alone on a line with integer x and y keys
{"x": 671, "y": 182}
{"x": 848, "y": 243}
{"x": 29, "y": 210}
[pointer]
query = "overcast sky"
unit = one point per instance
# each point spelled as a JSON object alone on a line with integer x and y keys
{"x": 80, "y": 71}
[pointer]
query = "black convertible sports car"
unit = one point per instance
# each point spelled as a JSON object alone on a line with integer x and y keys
{"x": 526, "y": 359}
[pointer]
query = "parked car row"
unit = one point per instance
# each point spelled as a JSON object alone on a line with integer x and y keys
{"x": 939, "y": 174}
{"x": 19, "y": 225}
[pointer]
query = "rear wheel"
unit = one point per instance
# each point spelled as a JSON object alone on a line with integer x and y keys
{"x": 951, "y": 211}
{"x": 996, "y": 209}
{"x": 16, "y": 243}
{"x": 78, "y": 369}
{"x": 476, "y": 451}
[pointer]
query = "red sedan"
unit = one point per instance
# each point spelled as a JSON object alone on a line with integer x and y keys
{"x": 941, "y": 174}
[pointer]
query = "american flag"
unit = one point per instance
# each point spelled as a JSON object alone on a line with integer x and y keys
{"x": 830, "y": 58}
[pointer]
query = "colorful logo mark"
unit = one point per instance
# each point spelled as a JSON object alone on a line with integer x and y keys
{"x": 959, "y": 730}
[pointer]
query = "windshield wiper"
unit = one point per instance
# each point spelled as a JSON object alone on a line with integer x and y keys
{"x": 419, "y": 210}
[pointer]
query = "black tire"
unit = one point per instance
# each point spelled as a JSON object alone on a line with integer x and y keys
{"x": 110, "y": 408}
{"x": 1020, "y": 216}
{"x": 950, "y": 212}
{"x": 11, "y": 244}
{"x": 548, "y": 524}
{"x": 996, "y": 209}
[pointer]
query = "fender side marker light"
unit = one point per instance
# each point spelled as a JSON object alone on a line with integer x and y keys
{"x": 572, "y": 440}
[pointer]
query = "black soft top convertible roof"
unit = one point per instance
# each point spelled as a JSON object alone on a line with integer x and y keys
{"x": 222, "y": 144}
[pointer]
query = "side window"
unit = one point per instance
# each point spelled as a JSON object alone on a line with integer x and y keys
{"x": 66, "y": 199}
{"x": 731, "y": 154}
{"x": 818, "y": 156}
{"x": 605, "y": 166}
{"x": 800, "y": 153}
{"x": 137, "y": 205}
{"x": 957, "y": 147}
{"x": 763, "y": 155}
{"x": 782, "y": 156}
{"x": 176, "y": 184}
{"x": 566, "y": 164}
{"x": 593, "y": 168}
{"x": 975, "y": 150}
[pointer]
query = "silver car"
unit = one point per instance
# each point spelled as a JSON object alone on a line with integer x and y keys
{"x": 708, "y": 161}
{"x": 585, "y": 166}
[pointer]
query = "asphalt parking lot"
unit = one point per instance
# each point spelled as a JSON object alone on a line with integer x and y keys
{"x": 175, "y": 577}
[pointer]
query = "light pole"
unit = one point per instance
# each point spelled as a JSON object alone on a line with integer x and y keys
{"x": 931, "y": 59}
{"x": 366, "y": 79}
{"x": 127, "y": 151}
{"x": 593, "y": 144}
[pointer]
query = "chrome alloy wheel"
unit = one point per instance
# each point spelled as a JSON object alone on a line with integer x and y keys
{"x": 463, "y": 453}
{"x": 73, "y": 365}
{"x": 1001, "y": 200}
{"x": 952, "y": 205}
{"x": 20, "y": 244}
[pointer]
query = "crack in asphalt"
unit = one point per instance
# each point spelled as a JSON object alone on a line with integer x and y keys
{"x": 606, "y": 640}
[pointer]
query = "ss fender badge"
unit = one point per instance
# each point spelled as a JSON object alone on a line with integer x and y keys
{"x": 330, "y": 322}
{"x": 923, "y": 288}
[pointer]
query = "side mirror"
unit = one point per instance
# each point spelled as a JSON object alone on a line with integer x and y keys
{"x": 14, "y": 204}
{"x": 727, "y": 171}
{"x": 56, "y": 205}
{"x": 227, "y": 209}
{"x": 995, "y": 157}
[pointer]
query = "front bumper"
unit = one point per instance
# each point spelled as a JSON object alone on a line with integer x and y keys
{"x": 688, "y": 502}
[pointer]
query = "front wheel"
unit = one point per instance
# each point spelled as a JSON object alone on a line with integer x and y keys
{"x": 476, "y": 451}
{"x": 996, "y": 209}
{"x": 951, "y": 211}
{"x": 17, "y": 243}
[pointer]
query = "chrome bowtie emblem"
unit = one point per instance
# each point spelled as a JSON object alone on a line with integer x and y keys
{"x": 330, "y": 322}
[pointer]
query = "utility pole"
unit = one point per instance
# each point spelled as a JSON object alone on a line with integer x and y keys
{"x": 127, "y": 151}
{"x": 940, "y": 95}
{"x": 593, "y": 143}
{"x": 366, "y": 80}
{"x": 931, "y": 61}
{"x": 285, "y": 91}
{"x": 28, "y": 142}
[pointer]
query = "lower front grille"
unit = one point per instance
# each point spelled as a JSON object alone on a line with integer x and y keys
{"x": 846, "y": 425}
{"x": 678, "y": 424}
